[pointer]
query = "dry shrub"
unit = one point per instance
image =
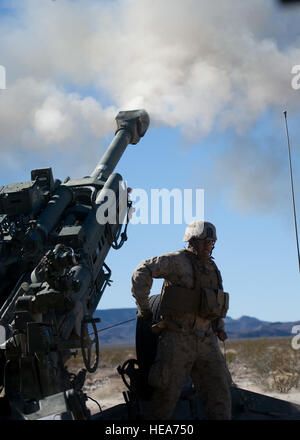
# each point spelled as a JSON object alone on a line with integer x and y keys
{"x": 283, "y": 381}
{"x": 273, "y": 361}
{"x": 230, "y": 355}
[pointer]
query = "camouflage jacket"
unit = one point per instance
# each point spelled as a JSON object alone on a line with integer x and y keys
{"x": 177, "y": 269}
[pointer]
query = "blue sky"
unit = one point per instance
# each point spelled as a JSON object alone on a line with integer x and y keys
{"x": 256, "y": 251}
{"x": 215, "y": 96}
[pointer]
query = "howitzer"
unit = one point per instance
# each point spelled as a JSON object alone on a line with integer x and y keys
{"x": 53, "y": 247}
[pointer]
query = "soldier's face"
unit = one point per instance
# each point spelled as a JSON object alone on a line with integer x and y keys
{"x": 205, "y": 247}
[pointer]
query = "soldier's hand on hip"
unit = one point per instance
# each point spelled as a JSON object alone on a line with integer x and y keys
{"x": 222, "y": 335}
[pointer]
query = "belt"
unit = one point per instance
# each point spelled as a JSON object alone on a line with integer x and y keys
{"x": 172, "y": 326}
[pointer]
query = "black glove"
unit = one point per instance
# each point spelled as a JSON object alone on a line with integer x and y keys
{"x": 222, "y": 335}
{"x": 145, "y": 315}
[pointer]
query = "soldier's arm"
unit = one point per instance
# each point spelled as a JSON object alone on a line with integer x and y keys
{"x": 142, "y": 278}
{"x": 218, "y": 324}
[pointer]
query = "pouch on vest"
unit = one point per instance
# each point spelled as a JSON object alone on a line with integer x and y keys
{"x": 214, "y": 303}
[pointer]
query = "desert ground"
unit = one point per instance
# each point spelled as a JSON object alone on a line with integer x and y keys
{"x": 264, "y": 365}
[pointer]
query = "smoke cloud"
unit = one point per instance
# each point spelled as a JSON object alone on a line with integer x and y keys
{"x": 193, "y": 64}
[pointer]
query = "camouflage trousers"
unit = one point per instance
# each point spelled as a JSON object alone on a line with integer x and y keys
{"x": 180, "y": 356}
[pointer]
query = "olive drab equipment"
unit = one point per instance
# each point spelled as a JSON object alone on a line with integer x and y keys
{"x": 53, "y": 275}
{"x": 207, "y": 299}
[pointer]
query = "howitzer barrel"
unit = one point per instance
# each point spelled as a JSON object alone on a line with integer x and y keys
{"x": 132, "y": 125}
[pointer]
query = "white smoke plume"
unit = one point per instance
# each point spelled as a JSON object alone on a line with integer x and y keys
{"x": 193, "y": 64}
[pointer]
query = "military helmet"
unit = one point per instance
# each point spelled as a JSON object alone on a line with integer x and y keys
{"x": 200, "y": 229}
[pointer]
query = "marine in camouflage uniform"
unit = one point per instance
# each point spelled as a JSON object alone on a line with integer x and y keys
{"x": 188, "y": 343}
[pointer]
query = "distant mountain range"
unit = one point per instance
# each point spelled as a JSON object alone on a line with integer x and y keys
{"x": 244, "y": 327}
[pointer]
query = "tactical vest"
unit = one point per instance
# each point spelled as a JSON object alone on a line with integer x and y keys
{"x": 207, "y": 297}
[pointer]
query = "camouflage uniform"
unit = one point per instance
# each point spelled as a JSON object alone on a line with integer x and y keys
{"x": 193, "y": 349}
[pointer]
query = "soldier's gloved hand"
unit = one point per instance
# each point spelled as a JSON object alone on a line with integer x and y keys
{"x": 222, "y": 335}
{"x": 145, "y": 315}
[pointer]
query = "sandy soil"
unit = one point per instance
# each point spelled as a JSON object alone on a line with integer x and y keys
{"x": 106, "y": 387}
{"x": 245, "y": 379}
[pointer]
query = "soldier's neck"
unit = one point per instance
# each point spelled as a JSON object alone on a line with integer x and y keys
{"x": 200, "y": 257}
